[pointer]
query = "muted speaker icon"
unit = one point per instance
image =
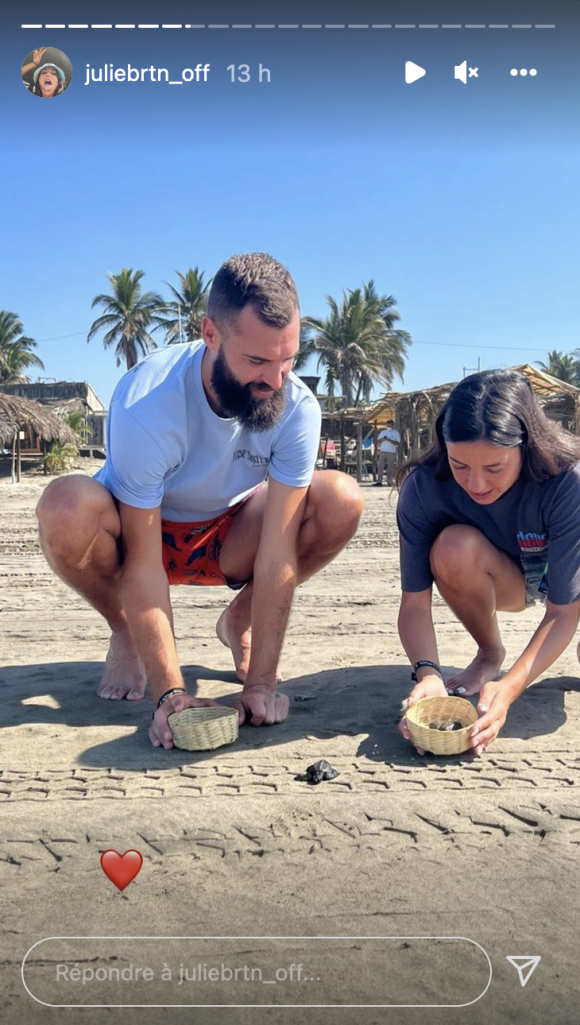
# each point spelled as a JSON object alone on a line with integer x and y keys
{"x": 461, "y": 72}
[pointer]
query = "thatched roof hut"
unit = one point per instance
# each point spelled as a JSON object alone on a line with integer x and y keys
{"x": 415, "y": 412}
{"x": 24, "y": 415}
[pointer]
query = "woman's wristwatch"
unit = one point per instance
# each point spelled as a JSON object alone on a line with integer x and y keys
{"x": 424, "y": 662}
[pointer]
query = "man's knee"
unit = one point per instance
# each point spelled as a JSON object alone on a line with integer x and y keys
{"x": 338, "y": 504}
{"x": 456, "y": 551}
{"x": 69, "y": 513}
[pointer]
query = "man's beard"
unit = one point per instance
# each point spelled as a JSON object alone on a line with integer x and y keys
{"x": 236, "y": 400}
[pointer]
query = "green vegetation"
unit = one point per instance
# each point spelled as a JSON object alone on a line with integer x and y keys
{"x": 358, "y": 345}
{"x": 78, "y": 423}
{"x": 16, "y": 353}
{"x": 60, "y": 457}
{"x": 129, "y": 313}
{"x": 564, "y": 366}
{"x": 189, "y": 305}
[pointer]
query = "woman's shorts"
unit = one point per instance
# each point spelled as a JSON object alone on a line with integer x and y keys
{"x": 536, "y": 584}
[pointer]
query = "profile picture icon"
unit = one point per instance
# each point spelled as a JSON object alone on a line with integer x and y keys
{"x": 46, "y": 72}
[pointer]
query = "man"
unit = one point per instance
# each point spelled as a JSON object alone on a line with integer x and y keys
{"x": 194, "y": 431}
{"x": 389, "y": 440}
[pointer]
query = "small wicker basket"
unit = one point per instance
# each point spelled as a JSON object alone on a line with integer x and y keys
{"x": 436, "y": 711}
{"x": 204, "y": 728}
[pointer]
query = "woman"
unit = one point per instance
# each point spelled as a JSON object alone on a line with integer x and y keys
{"x": 48, "y": 79}
{"x": 479, "y": 514}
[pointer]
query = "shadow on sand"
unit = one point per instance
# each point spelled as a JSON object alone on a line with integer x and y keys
{"x": 360, "y": 702}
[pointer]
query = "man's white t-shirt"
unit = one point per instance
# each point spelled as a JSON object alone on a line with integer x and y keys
{"x": 387, "y": 437}
{"x": 167, "y": 447}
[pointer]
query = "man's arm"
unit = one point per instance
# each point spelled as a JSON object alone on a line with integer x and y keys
{"x": 275, "y": 578}
{"x": 145, "y": 597}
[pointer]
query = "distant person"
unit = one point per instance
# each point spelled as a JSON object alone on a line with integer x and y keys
{"x": 48, "y": 80}
{"x": 491, "y": 515}
{"x": 209, "y": 479}
{"x": 388, "y": 440}
{"x": 329, "y": 453}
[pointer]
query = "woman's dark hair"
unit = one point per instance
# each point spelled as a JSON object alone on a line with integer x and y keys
{"x": 498, "y": 406}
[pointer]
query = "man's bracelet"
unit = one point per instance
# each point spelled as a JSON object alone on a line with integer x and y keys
{"x": 168, "y": 693}
{"x": 424, "y": 662}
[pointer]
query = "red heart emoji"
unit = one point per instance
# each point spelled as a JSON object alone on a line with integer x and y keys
{"x": 121, "y": 868}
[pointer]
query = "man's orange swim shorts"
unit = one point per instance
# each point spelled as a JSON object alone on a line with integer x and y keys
{"x": 191, "y": 551}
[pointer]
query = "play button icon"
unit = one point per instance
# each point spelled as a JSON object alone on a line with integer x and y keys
{"x": 413, "y": 72}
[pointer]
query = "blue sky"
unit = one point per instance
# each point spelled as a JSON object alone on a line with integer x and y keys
{"x": 460, "y": 200}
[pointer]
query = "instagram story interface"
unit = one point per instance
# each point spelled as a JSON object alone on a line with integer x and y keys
{"x": 290, "y": 502}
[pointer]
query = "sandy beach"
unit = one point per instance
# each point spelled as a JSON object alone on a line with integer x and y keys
{"x": 234, "y": 845}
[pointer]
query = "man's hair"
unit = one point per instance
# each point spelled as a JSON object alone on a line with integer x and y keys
{"x": 256, "y": 280}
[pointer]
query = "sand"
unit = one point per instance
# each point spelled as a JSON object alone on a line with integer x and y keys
{"x": 234, "y": 845}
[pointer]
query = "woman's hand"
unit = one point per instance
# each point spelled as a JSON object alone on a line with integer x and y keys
{"x": 493, "y": 706}
{"x": 430, "y": 686}
{"x": 38, "y": 55}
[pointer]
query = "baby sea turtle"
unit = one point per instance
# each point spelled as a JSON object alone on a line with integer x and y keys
{"x": 446, "y": 727}
{"x": 318, "y": 772}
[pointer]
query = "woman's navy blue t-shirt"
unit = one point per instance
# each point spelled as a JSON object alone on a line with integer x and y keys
{"x": 535, "y": 524}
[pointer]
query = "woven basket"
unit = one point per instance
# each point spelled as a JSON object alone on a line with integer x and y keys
{"x": 204, "y": 728}
{"x": 441, "y": 710}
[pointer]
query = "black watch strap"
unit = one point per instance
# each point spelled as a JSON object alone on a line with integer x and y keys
{"x": 168, "y": 693}
{"x": 424, "y": 662}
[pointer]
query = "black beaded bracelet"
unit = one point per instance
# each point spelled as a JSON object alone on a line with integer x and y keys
{"x": 424, "y": 662}
{"x": 168, "y": 693}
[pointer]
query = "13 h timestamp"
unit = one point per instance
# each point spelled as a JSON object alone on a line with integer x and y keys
{"x": 243, "y": 73}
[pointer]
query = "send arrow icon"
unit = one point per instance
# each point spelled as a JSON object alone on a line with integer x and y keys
{"x": 526, "y": 965}
{"x": 413, "y": 72}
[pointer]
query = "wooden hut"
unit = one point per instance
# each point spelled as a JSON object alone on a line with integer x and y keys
{"x": 27, "y": 423}
{"x": 64, "y": 398}
{"x": 415, "y": 413}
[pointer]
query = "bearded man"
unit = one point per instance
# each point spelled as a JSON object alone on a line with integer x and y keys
{"x": 209, "y": 479}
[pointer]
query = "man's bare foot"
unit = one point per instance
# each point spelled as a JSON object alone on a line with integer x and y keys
{"x": 485, "y": 667}
{"x": 232, "y": 630}
{"x": 124, "y": 675}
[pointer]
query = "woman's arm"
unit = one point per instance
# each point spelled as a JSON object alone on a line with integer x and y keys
{"x": 548, "y": 642}
{"x": 418, "y": 639}
{"x": 36, "y": 60}
{"x": 416, "y": 626}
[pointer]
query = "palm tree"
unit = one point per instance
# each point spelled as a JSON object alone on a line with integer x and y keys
{"x": 77, "y": 422}
{"x": 128, "y": 314}
{"x": 188, "y": 306}
{"x": 561, "y": 365}
{"x": 307, "y": 347}
{"x": 358, "y": 343}
{"x": 15, "y": 350}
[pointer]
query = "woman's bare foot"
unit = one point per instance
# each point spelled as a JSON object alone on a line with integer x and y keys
{"x": 485, "y": 667}
{"x": 233, "y": 631}
{"x": 124, "y": 675}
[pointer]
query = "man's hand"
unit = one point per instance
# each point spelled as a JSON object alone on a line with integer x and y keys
{"x": 428, "y": 687}
{"x": 494, "y": 702}
{"x": 261, "y": 706}
{"x": 160, "y": 733}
